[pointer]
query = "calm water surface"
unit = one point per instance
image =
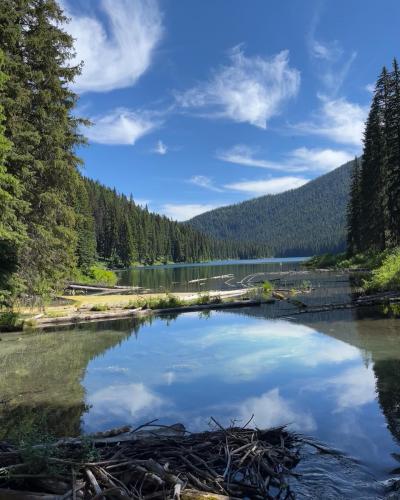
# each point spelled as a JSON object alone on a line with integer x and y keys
{"x": 218, "y": 275}
{"x": 334, "y": 376}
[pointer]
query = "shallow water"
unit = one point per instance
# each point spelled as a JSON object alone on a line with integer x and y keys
{"x": 217, "y": 275}
{"x": 334, "y": 376}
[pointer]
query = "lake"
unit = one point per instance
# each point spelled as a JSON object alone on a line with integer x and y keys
{"x": 334, "y": 376}
{"x": 217, "y": 275}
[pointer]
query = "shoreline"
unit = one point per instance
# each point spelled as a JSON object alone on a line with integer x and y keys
{"x": 92, "y": 308}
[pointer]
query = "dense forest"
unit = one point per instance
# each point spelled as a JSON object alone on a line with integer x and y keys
{"x": 54, "y": 223}
{"x": 304, "y": 221}
{"x": 374, "y": 208}
{"x": 125, "y": 233}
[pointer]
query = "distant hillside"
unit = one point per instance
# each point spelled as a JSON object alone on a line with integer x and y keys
{"x": 304, "y": 221}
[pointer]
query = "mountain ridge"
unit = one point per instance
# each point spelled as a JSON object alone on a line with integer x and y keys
{"x": 304, "y": 221}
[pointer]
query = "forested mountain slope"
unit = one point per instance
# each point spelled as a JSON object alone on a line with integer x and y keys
{"x": 124, "y": 233}
{"x": 304, "y": 221}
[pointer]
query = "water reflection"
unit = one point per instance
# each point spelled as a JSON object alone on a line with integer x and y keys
{"x": 221, "y": 276}
{"x": 334, "y": 375}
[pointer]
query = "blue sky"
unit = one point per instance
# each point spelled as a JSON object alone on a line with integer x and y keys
{"x": 198, "y": 104}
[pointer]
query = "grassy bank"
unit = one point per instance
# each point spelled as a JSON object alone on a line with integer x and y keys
{"x": 81, "y": 307}
{"x": 384, "y": 267}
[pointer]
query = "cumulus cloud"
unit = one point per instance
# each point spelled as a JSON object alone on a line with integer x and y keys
{"x": 116, "y": 51}
{"x": 248, "y": 90}
{"x": 204, "y": 182}
{"x": 271, "y": 410}
{"x": 354, "y": 387}
{"x": 182, "y": 212}
{"x": 267, "y": 186}
{"x": 125, "y": 400}
{"x": 121, "y": 126}
{"x": 161, "y": 148}
{"x": 299, "y": 160}
{"x": 340, "y": 120}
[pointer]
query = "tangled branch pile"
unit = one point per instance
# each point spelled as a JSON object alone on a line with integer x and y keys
{"x": 233, "y": 462}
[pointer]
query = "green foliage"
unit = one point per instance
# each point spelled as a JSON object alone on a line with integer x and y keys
{"x": 367, "y": 260}
{"x": 267, "y": 287}
{"x": 12, "y": 208}
{"x": 102, "y": 276}
{"x": 305, "y": 221}
{"x": 204, "y": 298}
{"x": 100, "y": 307}
{"x": 374, "y": 206}
{"x": 354, "y": 210}
{"x": 127, "y": 233}
{"x": 96, "y": 275}
{"x": 36, "y": 448}
{"x": 168, "y": 302}
{"x": 387, "y": 275}
{"x": 10, "y": 321}
{"x": 43, "y": 132}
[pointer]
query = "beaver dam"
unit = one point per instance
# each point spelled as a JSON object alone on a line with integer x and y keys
{"x": 167, "y": 462}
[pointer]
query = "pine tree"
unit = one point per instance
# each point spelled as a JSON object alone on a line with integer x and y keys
{"x": 85, "y": 227}
{"x": 38, "y": 103}
{"x": 392, "y": 177}
{"x": 372, "y": 228}
{"x": 12, "y": 208}
{"x": 354, "y": 214}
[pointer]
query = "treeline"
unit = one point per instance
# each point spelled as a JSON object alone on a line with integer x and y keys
{"x": 305, "y": 221}
{"x": 125, "y": 233}
{"x": 54, "y": 224}
{"x": 373, "y": 217}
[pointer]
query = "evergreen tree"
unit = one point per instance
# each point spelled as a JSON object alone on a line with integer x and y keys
{"x": 12, "y": 230}
{"x": 392, "y": 177}
{"x": 86, "y": 245}
{"x": 354, "y": 211}
{"x": 372, "y": 227}
{"x": 38, "y": 104}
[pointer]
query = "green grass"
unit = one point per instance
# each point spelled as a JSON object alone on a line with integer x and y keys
{"x": 97, "y": 275}
{"x": 100, "y": 307}
{"x": 387, "y": 275}
{"x": 267, "y": 287}
{"x": 10, "y": 321}
{"x": 171, "y": 301}
{"x": 368, "y": 260}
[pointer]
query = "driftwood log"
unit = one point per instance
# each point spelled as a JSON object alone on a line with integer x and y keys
{"x": 155, "y": 463}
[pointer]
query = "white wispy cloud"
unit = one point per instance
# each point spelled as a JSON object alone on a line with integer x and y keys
{"x": 299, "y": 160}
{"x": 320, "y": 159}
{"x": 182, "y": 212}
{"x": 340, "y": 120}
{"x": 332, "y": 63}
{"x": 204, "y": 182}
{"x": 248, "y": 90}
{"x": 121, "y": 126}
{"x": 267, "y": 186}
{"x": 160, "y": 148}
{"x": 116, "y": 51}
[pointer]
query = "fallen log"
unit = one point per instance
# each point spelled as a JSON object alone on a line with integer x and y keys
{"x": 82, "y": 317}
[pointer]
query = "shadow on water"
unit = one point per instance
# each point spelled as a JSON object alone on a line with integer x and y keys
{"x": 42, "y": 373}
